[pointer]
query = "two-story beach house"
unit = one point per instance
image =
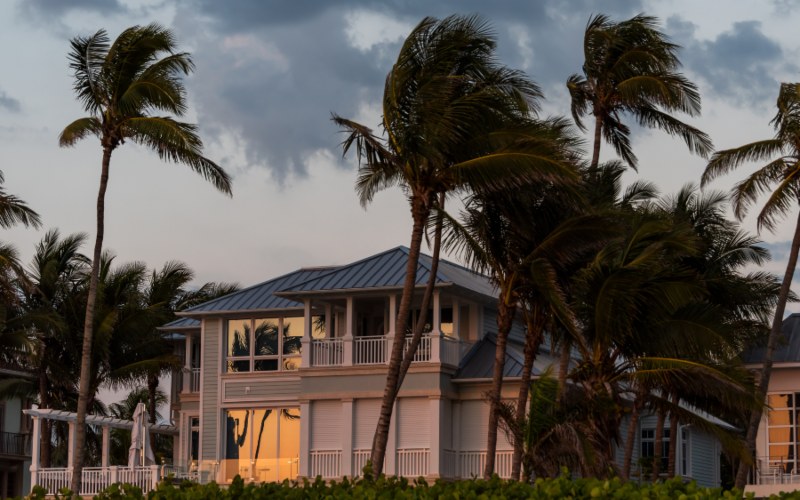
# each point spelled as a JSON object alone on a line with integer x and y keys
{"x": 284, "y": 379}
{"x": 15, "y": 442}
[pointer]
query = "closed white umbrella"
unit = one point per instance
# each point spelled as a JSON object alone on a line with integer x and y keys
{"x": 140, "y": 453}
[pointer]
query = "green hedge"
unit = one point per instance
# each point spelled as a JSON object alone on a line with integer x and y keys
{"x": 394, "y": 488}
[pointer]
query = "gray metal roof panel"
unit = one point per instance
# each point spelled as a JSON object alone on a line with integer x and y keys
{"x": 479, "y": 363}
{"x": 261, "y": 296}
{"x": 181, "y": 324}
{"x": 788, "y": 348}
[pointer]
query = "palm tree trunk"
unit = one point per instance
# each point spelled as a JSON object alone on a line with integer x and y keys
{"x": 533, "y": 339}
{"x": 674, "y": 440}
{"x": 88, "y": 327}
{"x": 416, "y": 335}
{"x": 563, "y": 368}
{"x": 419, "y": 213}
{"x": 598, "y": 129}
{"x": 766, "y": 369}
{"x": 505, "y": 316}
{"x": 152, "y": 388}
{"x": 630, "y": 439}
{"x": 658, "y": 446}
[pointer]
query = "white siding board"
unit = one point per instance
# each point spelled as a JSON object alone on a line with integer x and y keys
{"x": 413, "y": 423}
{"x": 326, "y": 425}
{"x": 209, "y": 419}
{"x": 365, "y": 418}
{"x": 474, "y": 426}
{"x": 703, "y": 459}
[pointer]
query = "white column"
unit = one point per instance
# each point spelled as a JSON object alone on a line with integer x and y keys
{"x": 35, "y": 444}
{"x": 305, "y": 438}
{"x": 455, "y": 415}
{"x": 392, "y": 323}
{"x": 71, "y": 445}
{"x": 437, "y": 427}
{"x": 348, "y": 333}
{"x": 187, "y": 365}
{"x": 305, "y": 342}
{"x": 390, "y": 459}
{"x": 456, "y": 319}
{"x": 106, "y": 446}
{"x": 330, "y": 329}
{"x": 347, "y": 438}
{"x": 436, "y": 331}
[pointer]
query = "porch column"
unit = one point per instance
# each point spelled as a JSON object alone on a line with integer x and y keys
{"x": 455, "y": 415}
{"x": 437, "y": 427}
{"x": 305, "y": 438}
{"x": 106, "y": 446}
{"x": 436, "y": 330}
{"x": 456, "y": 319}
{"x": 71, "y": 445}
{"x": 348, "y": 332}
{"x": 330, "y": 329}
{"x": 35, "y": 444}
{"x": 392, "y": 324}
{"x": 305, "y": 342}
{"x": 347, "y": 438}
{"x": 187, "y": 366}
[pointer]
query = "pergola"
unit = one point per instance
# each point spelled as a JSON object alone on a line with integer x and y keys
{"x": 106, "y": 423}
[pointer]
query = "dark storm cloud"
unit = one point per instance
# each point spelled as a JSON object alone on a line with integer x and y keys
{"x": 295, "y": 65}
{"x": 738, "y": 64}
{"x": 9, "y": 103}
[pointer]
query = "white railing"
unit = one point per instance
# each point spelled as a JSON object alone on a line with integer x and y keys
{"x": 326, "y": 463}
{"x": 423, "y": 349}
{"x": 96, "y": 479}
{"x": 412, "y": 462}
{"x": 327, "y": 352}
{"x": 370, "y": 350}
{"x": 451, "y": 351}
{"x": 472, "y": 463}
{"x": 194, "y": 383}
{"x": 772, "y": 470}
{"x": 360, "y": 459}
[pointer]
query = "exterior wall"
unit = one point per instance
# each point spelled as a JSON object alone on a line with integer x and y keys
{"x": 211, "y": 339}
{"x": 704, "y": 458}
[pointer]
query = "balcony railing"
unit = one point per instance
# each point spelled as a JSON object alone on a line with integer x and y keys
{"x": 14, "y": 444}
{"x": 194, "y": 383}
{"x": 775, "y": 470}
{"x": 374, "y": 350}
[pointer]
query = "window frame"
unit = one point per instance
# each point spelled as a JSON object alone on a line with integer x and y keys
{"x": 281, "y": 358}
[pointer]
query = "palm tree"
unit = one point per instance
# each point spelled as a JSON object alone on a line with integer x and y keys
{"x": 455, "y": 121}
{"x": 122, "y": 86}
{"x": 630, "y": 67}
{"x": 15, "y": 211}
{"x": 780, "y": 177}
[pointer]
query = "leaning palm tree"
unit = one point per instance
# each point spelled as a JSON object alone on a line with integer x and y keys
{"x": 780, "y": 178}
{"x": 455, "y": 121}
{"x": 630, "y": 67}
{"x": 123, "y": 86}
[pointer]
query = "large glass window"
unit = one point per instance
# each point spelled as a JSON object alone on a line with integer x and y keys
{"x": 782, "y": 430}
{"x": 265, "y": 344}
{"x": 262, "y": 444}
{"x": 648, "y": 451}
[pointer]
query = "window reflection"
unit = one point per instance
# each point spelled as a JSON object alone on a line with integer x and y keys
{"x": 782, "y": 430}
{"x": 262, "y": 444}
{"x": 266, "y": 334}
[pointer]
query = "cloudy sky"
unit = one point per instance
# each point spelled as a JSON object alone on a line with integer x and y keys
{"x": 270, "y": 73}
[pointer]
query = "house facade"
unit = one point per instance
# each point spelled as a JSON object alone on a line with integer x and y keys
{"x": 15, "y": 439}
{"x": 777, "y": 466}
{"x": 284, "y": 379}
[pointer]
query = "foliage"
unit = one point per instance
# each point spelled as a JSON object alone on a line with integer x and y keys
{"x": 393, "y": 487}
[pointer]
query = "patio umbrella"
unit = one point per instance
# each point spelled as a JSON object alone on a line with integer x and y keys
{"x": 140, "y": 453}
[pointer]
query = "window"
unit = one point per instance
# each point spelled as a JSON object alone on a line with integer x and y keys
{"x": 782, "y": 430}
{"x": 262, "y": 444}
{"x": 264, "y": 344}
{"x": 194, "y": 440}
{"x": 686, "y": 457}
{"x": 649, "y": 446}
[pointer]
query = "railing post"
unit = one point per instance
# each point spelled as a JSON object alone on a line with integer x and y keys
{"x": 153, "y": 477}
{"x": 113, "y": 474}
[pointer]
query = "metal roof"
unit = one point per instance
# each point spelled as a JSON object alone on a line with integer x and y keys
{"x": 69, "y": 416}
{"x": 259, "y": 297}
{"x": 479, "y": 361}
{"x": 788, "y": 348}
{"x": 387, "y": 270}
{"x": 181, "y": 324}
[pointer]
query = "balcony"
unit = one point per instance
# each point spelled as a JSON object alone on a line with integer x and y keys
{"x": 772, "y": 475}
{"x": 13, "y": 444}
{"x": 376, "y": 350}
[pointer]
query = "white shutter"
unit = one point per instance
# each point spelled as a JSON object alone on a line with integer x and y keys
{"x": 413, "y": 423}
{"x": 326, "y": 425}
{"x": 365, "y": 419}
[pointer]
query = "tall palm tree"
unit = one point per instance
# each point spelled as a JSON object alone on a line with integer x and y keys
{"x": 123, "y": 86}
{"x": 454, "y": 121}
{"x": 631, "y": 67}
{"x": 780, "y": 178}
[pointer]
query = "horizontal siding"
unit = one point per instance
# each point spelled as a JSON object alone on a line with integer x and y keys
{"x": 326, "y": 425}
{"x": 704, "y": 461}
{"x": 209, "y": 418}
{"x": 260, "y": 389}
{"x": 413, "y": 423}
{"x": 475, "y": 425}
{"x": 365, "y": 419}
